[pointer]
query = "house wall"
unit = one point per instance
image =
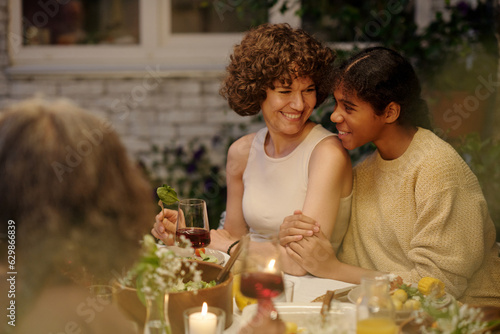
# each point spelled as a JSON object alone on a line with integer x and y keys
{"x": 146, "y": 107}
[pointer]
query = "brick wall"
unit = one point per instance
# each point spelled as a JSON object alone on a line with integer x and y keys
{"x": 146, "y": 108}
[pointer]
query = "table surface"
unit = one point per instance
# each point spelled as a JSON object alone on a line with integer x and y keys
{"x": 306, "y": 289}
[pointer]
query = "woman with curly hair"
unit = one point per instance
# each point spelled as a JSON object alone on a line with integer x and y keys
{"x": 292, "y": 162}
{"x": 77, "y": 207}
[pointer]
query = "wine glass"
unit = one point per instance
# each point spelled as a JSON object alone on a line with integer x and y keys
{"x": 262, "y": 277}
{"x": 192, "y": 222}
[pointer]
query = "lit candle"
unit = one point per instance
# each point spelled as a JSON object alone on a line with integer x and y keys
{"x": 270, "y": 266}
{"x": 202, "y": 322}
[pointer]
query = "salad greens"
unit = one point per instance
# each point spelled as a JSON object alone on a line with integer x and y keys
{"x": 193, "y": 286}
{"x": 167, "y": 194}
{"x": 411, "y": 291}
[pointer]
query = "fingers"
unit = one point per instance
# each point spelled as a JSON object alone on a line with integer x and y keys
{"x": 285, "y": 240}
{"x": 158, "y": 231}
{"x": 164, "y": 227}
{"x": 155, "y": 234}
{"x": 170, "y": 215}
{"x": 167, "y": 238}
{"x": 159, "y": 217}
{"x": 300, "y": 220}
{"x": 297, "y": 228}
{"x": 169, "y": 226}
{"x": 291, "y": 251}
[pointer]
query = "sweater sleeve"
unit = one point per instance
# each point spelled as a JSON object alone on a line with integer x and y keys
{"x": 448, "y": 236}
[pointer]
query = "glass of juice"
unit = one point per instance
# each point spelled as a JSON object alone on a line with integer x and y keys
{"x": 192, "y": 222}
{"x": 375, "y": 311}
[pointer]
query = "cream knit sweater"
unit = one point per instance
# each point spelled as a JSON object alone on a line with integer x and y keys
{"x": 424, "y": 214}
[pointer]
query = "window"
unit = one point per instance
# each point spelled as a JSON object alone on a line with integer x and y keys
{"x": 119, "y": 35}
{"x": 80, "y": 22}
{"x": 200, "y": 16}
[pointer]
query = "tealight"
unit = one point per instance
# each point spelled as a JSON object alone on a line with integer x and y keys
{"x": 203, "y": 322}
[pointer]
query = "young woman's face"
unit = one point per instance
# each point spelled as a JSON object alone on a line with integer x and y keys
{"x": 287, "y": 108}
{"x": 356, "y": 120}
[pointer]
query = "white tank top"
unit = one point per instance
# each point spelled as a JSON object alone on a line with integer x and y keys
{"x": 275, "y": 187}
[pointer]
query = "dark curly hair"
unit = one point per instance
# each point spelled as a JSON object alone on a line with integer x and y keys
{"x": 379, "y": 75}
{"x": 273, "y": 52}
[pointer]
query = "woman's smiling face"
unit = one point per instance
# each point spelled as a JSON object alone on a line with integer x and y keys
{"x": 287, "y": 108}
{"x": 356, "y": 120}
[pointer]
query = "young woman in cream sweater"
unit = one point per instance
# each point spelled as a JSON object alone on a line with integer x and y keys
{"x": 417, "y": 208}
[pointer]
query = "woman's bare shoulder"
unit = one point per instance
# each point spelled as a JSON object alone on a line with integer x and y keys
{"x": 237, "y": 155}
{"x": 240, "y": 148}
{"x": 331, "y": 146}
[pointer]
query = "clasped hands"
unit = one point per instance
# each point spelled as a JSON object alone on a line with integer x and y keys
{"x": 301, "y": 236}
{"x": 306, "y": 244}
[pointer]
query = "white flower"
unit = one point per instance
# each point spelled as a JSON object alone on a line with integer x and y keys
{"x": 454, "y": 319}
{"x": 160, "y": 270}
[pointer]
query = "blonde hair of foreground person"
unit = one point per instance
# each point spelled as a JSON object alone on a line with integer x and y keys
{"x": 79, "y": 208}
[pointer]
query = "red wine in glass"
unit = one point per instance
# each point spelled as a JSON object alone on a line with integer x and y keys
{"x": 261, "y": 285}
{"x": 199, "y": 237}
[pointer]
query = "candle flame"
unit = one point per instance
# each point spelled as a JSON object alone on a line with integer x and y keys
{"x": 270, "y": 266}
{"x": 204, "y": 309}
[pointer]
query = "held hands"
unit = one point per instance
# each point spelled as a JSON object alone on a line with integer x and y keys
{"x": 307, "y": 245}
{"x": 164, "y": 227}
{"x": 296, "y": 227}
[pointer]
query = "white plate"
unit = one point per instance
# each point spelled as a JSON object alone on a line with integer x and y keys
{"x": 307, "y": 316}
{"x": 221, "y": 257}
{"x": 355, "y": 293}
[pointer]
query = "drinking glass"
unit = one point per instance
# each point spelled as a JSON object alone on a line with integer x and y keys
{"x": 192, "y": 222}
{"x": 262, "y": 277}
{"x": 375, "y": 311}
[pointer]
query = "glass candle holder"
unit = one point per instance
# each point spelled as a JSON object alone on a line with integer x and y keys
{"x": 204, "y": 320}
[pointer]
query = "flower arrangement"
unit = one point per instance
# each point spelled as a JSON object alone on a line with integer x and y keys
{"x": 454, "y": 319}
{"x": 436, "y": 312}
{"x": 160, "y": 270}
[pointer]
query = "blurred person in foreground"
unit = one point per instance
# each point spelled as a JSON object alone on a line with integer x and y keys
{"x": 282, "y": 73}
{"x": 79, "y": 207}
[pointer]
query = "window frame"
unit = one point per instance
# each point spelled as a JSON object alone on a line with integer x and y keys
{"x": 157, "y": 46}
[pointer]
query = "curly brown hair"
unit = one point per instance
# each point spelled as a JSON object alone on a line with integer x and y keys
{"x": 273, "y": 52}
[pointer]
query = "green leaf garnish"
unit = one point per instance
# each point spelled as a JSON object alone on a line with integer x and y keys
{"x": 167, "y": 194}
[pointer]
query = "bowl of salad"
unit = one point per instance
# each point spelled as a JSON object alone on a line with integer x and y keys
{"x": 214, "y": 295}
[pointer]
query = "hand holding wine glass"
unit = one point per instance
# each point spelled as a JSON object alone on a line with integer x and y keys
{"x": 192, "y": 222}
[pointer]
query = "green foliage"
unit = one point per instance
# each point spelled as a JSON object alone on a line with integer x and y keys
{"x": 482, "y": 156}
{"x": 454, "y": 52}
{"x": 361, "y": 21}
{"x": 450, "y": 53}
{"x": 192, "y": 171}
